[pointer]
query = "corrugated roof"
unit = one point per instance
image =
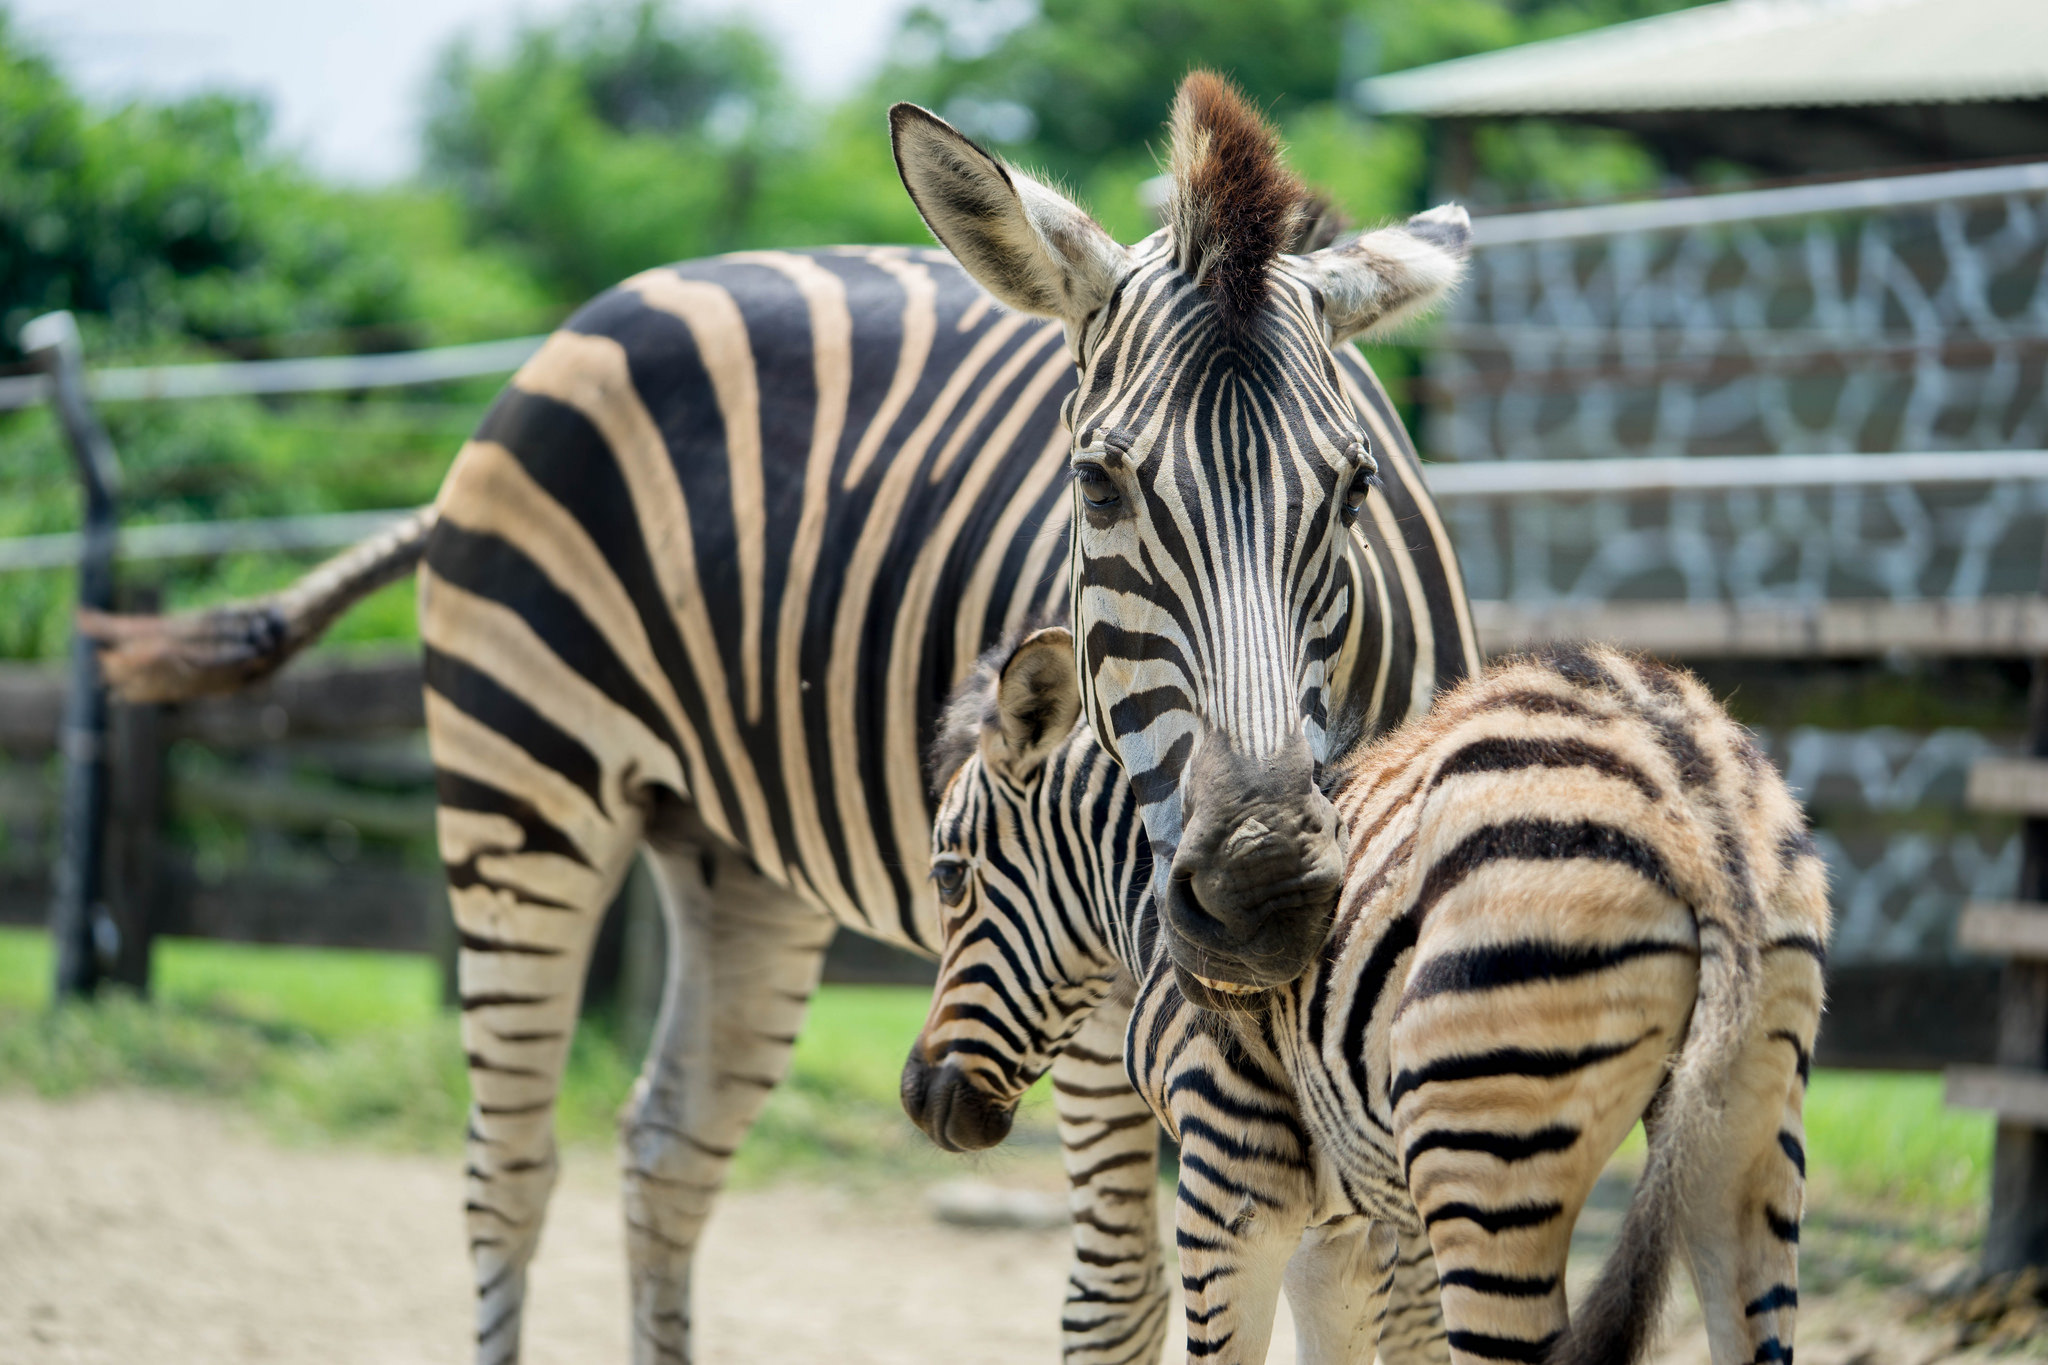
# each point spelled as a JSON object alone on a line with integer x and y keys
{"x": 1749, "y": 54}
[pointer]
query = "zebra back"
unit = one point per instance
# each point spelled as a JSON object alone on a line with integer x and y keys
{"x": 760, "y": 513}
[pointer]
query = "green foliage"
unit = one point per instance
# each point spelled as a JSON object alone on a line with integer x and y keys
{"x": 1885, "y": 1139}
{"x": 620, "y": 138}
{"x": 1073, "y": 82}
{"x": 173, "y": 220}
{"x": 624, "y": 135}
{"x": 1080, "y": 86}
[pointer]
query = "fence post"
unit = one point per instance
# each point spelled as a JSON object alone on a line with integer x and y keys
{"x": 135, "y": 882}
{"x": 2016, "y": 1233}
{"x": 83, "y": 935}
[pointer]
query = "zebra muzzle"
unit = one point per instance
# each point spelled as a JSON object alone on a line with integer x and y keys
{"x": 1251, "y": 888}
{"x": 954, "y": 1112}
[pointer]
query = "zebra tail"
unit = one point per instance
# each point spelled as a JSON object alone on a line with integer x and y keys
{"x": 1618, "y": 1321}
{"x": 228, "y": 647}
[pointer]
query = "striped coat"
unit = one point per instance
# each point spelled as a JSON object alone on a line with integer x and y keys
{"x": 1576, "y": 896}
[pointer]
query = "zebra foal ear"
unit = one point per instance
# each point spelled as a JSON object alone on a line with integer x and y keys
{"x": 1037, "y": 702}
{"x": 1381, "y": 279}
{"x": 1024, "y": 243}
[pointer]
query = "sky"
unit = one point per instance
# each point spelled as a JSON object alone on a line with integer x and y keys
{"x": 344, "y": 80}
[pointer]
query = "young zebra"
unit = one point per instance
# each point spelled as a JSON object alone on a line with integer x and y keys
{"x": 1576, "y": 895}
{"x": 705, "y": 573}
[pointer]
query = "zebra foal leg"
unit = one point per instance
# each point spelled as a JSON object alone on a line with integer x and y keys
{"x": 1741, "y": 1235}
{"x": 1117, "y": 1300}
{"x": 1337, "y": 1285}
{"x": 744, "y": 957}
{"x": 1240, "y": 1213}
{"x": 1413, "y": 1333}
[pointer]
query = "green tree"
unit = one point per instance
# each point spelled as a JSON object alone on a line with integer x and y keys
{"x": 621, "y": 137}
{"x": 1080, "y": 87}
{"x": 172, "y": 220}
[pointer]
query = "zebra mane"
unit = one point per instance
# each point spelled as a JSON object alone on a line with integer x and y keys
{"x": 1234, "y": 207}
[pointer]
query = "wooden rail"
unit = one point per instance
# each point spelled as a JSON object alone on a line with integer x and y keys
{"x": 1919, "y": 1016}
{"x": 1991, "y": 627}
{"x": 341, "y": 699}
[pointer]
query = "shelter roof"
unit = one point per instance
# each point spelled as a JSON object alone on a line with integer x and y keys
{"x": 1747, "y": 54}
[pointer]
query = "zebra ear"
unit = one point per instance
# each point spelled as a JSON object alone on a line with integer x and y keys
{"x": 1038, "y": 700}
{"x": 1024, "y": 243}
{"x": 1381, "y": 279}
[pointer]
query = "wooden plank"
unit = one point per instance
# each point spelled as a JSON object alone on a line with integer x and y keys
{"x": 31, "y": 702}
{"x": 393, "y": 910}
{"x": 294, "y": 805}
{"x": 2011, "y": 786}
{"x": 375, "y": 693}
{"x": 1909, "y": 1016}
{"x": 857, "y": 960}
{"x": 350, "y": 908}
{"x": 2014, "y": 1095}
{"x": 2014, "y": 929}
{"x": 1992, "y": 627}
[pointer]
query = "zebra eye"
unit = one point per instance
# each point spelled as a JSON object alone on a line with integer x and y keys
{"x": 950, "y": 876}
{"x": 1098, "y": 490}
{"x": 1355, "y": 492}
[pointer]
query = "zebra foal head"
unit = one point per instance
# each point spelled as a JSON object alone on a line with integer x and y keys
{"x": 1218, "y": 466}
{"x": 1039, "y": 857}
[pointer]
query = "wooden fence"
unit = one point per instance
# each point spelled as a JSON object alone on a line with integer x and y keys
{"x": 267, "y": 761}
{"x": 1903, "y": 1015}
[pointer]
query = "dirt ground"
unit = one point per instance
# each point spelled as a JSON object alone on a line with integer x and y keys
{"x": 138, "y": 1229}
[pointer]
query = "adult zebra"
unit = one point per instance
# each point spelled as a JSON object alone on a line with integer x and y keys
{"x": 703, "y": 578}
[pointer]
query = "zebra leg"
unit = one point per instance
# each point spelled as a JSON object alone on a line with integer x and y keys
{"x": 1414, "y": 1330}
{"x": 525, "y": 923}
{"x": 1499, "y": 1224}
{"x": 1234, "y": 1247}
{"x": 1337, "y": 1284}
{"x": 1117, "y": 1299}
{"x": 1240, "y": 1215}
{"x": 1741, "y": 1234}
{"x": 744, "y": 957}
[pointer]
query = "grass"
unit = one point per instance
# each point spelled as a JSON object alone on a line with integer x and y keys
{"x": 324, "y": 1045}
{"x": 356, "y": 1046}
{"x": 1884, "y": 1138}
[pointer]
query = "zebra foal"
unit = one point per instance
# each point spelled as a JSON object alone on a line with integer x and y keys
{"x": 1576, "y": 896}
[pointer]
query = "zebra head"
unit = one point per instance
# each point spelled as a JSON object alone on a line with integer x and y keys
{"x": 1218, "y": 467}
{"x": 1036, "y": 840}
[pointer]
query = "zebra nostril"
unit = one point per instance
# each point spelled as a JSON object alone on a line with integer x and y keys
{"x": 914, "y": 1090}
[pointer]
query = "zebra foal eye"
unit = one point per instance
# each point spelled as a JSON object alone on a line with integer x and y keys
{"x": 950, "y": 876}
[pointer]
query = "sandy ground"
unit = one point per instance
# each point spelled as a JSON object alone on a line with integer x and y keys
{"x": 139, "y": 1229}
